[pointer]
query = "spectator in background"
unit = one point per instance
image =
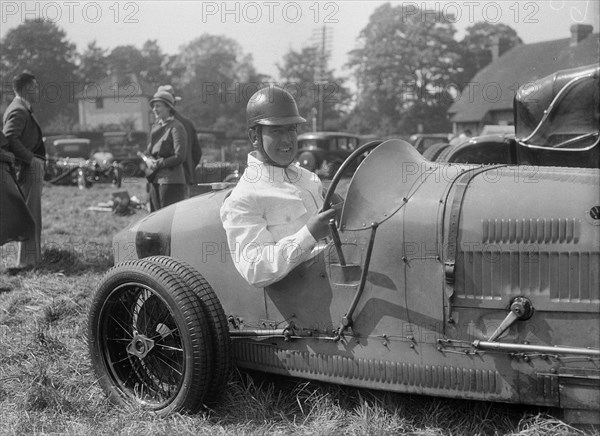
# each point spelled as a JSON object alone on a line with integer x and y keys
{"x": 194, "y": 152}
{"x": 25, "y": 142}
{"x": 16, "y": 222}
{"x": 167, "y": 152}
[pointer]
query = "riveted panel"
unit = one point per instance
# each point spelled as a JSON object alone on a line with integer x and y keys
{"x": 377, "y": 371}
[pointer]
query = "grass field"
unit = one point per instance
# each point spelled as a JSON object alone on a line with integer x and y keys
{"x": 47, "y": 387}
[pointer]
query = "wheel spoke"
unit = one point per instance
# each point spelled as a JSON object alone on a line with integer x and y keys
{"x": 169, "y": 365}
{"x": 109, "y": 339}
{"x": 167, "y": 347}
{"x": 160, "y": 335}
{"x": 123, "y": 327}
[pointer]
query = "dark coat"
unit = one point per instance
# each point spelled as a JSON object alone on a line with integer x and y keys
{"x": 16, "y": 222}
{"x": 168, "y": 143}
{"x": 193, "y": 152}
{"x": 23, "y": 132}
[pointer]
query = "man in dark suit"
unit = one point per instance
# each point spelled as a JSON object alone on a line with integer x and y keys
{"x": 26, "y": 143}
{"x": 193, "y": 150}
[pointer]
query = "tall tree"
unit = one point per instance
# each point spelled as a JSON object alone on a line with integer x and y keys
{"x": 314, "y": 89}
{"x": 149, "y": 64}
{"x": 125, "y": 59}
{"x": 480, "y": 42}
{"x": 217, "y": 80}
{"x": 93, "y": 63}
{"x": 41, "y": 47}
{"x": 405, "y": 67}
{"x": 157, "y": 67}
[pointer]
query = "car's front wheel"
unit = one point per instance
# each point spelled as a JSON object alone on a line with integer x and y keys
{"x": 149, "y": 339}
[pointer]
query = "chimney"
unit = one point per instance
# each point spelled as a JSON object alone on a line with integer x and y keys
{"x": 580, "y": 32}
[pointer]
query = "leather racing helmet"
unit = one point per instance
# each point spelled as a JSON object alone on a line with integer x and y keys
{"x": 272, "y": 106}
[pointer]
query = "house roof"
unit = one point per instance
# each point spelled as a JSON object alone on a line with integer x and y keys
{"x": 129, "y": 86}
{"x": 493, "y": 88}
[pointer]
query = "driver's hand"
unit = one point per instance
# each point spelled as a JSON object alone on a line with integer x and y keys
{"x": 318, "y": 225}
{"x": 337, "y": 203}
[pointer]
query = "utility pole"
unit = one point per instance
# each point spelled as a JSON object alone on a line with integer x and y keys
{"x": 322, "y": 38}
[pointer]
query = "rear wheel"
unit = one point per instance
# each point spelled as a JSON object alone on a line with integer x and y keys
{"x": 221, "y": 363}
{"x": 149, "y": 339}
{"x": 434, "y": 151}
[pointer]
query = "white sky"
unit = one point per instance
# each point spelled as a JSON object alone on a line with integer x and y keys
{"x": 268, "y": 29}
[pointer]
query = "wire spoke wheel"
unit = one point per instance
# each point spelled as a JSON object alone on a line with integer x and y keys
{"x": 149, "y": 339}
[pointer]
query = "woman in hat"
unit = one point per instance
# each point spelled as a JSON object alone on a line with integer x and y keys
{"x": 167, "y": 151}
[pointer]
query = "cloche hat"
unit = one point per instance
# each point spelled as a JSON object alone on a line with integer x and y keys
{"x": 164, "y": 96}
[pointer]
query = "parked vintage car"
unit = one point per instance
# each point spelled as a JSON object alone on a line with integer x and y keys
{"x": 223, "y": 165}
{"x": 124, "y": 146}
{"x": 455, "y": 280}
{"x": 324, "y": 152}
{"x": 484, "y": 149}
{"x": 68, "y": 161}
{"x": 423, "y": 141}
{"x": 106, "y": 168}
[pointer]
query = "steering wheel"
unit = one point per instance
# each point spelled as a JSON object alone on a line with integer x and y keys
{"x": 338, "y": 175}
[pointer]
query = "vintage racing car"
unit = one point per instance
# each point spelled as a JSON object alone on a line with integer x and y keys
{"x": 449, "y": 279}
{"x": 462, "y": 281}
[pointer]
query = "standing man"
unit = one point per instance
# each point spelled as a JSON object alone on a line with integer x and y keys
{"x": 26, "y": 143}
{"x": 194, "y": 152}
